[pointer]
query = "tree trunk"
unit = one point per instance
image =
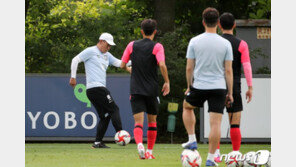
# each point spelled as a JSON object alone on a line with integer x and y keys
{"x": 164, "y": 14}
{"x": 27, "y": 3}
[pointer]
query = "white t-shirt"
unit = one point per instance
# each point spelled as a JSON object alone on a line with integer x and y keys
{"x": 96, "y": 64}
{"x": 209, "y": 51}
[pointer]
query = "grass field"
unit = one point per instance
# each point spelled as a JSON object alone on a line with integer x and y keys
{"x": 82, "y": 155}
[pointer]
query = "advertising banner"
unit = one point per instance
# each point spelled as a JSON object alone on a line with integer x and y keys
{"x": 55, "y": 109}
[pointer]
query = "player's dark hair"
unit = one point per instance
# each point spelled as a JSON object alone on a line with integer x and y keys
{"x": 227, "y": 21}
{"x": 210, "y": 16}
{"x": 148, "y": 26}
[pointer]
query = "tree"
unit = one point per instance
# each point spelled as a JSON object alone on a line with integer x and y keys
{"x": 164, "y": 14}
{"x": 27, "y": 5}
{"x": 56, "y": 31}
{"x": 260, "y": 9}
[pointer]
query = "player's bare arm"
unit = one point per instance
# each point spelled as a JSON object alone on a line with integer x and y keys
{"x": 164, "y": 73}
{"x": 129, "y": 69}
{"x": 229, "y": 80}
{"x": 189, "y": 73}
{"x": 249, "y": 94}
{"x": 123, "y": 66}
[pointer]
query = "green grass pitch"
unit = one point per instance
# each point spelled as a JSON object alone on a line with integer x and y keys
{"x": 82, "y": 155}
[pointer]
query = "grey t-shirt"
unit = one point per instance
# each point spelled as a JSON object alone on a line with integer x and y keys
{"x": 96, "y": 64}
{"x": 209, "y": 51}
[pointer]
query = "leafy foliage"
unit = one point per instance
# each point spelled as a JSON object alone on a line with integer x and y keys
{"x": 175, "y": 44}
{"x": 56, "y": 31}
{"x": 256, "y": 53}
{"x": 263, "y": 70}
{"x": 190, "y": 11}
{"x": 260, "y": 9}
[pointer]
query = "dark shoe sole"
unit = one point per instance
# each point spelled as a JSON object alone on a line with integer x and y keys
{"x": 99, "y": 147}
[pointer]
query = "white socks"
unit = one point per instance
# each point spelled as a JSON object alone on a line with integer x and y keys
{"x": 140, "y": 145}
{"x": 150, "y": 151}
{"x": 211, "y": 157}
{"x": 192, "y": 138}
{"x": 235, "y": 152}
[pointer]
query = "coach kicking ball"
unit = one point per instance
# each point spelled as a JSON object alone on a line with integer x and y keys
{"x": 96, "y": 61}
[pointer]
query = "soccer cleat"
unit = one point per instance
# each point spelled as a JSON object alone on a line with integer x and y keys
{"x": 149, "y": 156}
{"x": 141, "y": 151}
{"x": 100, "y": 145}
{"x": 217, "y": 159}
{"x": 191, "y": 146}
{"x": 211, "y": 163}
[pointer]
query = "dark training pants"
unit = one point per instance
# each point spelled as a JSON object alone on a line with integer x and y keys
{"x": 106, "y": 108}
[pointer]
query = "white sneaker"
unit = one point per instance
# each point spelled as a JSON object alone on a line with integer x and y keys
{"x": 184, "y": 144}
{"x": 190, "y": 145}
{"x": 141, "y": 151}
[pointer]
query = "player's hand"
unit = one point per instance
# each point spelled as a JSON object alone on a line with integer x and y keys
{"x": 229, "y": 100}
{"x": 166, "y": 88}
{"x": 72, "y": 82}
{"x": 187, "y": 91}
{"x": 129, "y": 69}
{"x": 249, "y": 95}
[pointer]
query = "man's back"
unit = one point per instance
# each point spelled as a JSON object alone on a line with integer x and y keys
{"x": 145, "y": 56}
{"x": 237, "y": 46}
{"x": 209, "y": 51}
{"x": 144, "y": 78}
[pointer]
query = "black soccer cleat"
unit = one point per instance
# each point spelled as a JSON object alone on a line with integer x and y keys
{"x": 100, "y": 145}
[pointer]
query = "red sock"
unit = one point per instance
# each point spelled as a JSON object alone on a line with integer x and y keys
{"x": 151, "y": 135}
{"x": 236, "y": 138}
{"x": 138, "y": 133}
{"x": 218, "y": 147}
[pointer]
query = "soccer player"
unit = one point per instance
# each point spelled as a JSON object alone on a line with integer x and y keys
{"x": 208, "y": 71}
{"x": 146, "y": 56}
{"x": 96, "y": 61}
{"x": 240, "y": 58}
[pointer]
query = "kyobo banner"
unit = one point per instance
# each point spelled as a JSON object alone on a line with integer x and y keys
{"x": 55, "y": 109}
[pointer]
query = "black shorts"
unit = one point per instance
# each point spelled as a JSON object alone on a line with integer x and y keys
{"x": 142, "y": 103}
{"x": 215, "y": 97}
{"x": 102, "y": 100}
{"x": 237, "y": 104}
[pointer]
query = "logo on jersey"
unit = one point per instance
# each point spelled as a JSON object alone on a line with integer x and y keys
{"x": 105, "y": 57}
{"x": 158, "y": 100}
{"x": 106, "y": 115}
{"x": 109, "y": 98}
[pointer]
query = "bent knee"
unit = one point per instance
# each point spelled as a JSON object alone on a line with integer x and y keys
{"x": 187, "y": 106}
